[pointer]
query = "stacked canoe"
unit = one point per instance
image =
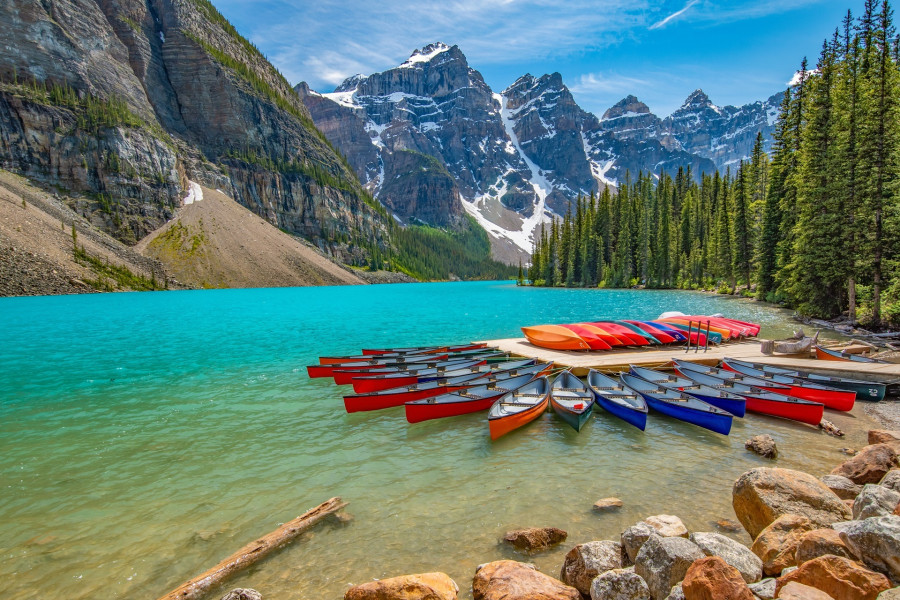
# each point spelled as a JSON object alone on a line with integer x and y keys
{"x": 609, "y": 334}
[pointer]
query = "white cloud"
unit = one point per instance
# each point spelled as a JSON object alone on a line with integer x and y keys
{"x": 674, "y": 15}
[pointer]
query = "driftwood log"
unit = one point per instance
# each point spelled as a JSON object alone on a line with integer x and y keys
{"x": 253, "y": 552}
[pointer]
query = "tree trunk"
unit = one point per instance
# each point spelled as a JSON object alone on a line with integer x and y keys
{"x": 253, "y": 552}
{"x": 851, "y": 296}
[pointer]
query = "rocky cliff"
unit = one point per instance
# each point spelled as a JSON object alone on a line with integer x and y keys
{"x": 518, "y": 156}
{"x": 122, "y": 101}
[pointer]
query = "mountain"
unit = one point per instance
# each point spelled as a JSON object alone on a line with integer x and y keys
{"x": 121, "y": 103}
{"x": 432, "y": 141}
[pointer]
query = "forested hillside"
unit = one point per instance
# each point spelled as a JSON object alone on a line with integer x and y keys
{"x": 814, "y": 227}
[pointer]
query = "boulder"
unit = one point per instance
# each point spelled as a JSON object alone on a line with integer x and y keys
{"x": 842, "y": 487}
{"x": 777, "y": 545}
{"x": 798, "y": 591}
{"x": 607, "y": 504}
{"x": 869, "y": 465}
{"x": 763, "y": 445}
{"x": 585, "y": 561}
{"x": 761, "y": 495}
{"x": 876, "y": 542}
{"x": 820, "y": 542}
{"x": 875, "y": 501}
{"x": 711, "y": 578}
{"x": 619, "y": 584}
{"x": 663, "y": 561}
{"x": 765, "y": 589}
{"x": 535, "y": 538}
{"x": 839, "y": 577}
{"x": 667, "y": 525}
{"x": 891, "y": 480}
{"x": 424, "y": 586}
{"x": 677, "y": 592}
{"x": 242, "y": 594}
{"x": 884, "y": 436}
{"x": 734, "y": 553}
{"x": 511, "y": 580}
{"x": 634, "y": 537}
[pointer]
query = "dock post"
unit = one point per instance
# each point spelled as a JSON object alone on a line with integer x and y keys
{"x": 690, "y": 327}
{"x": 707, "y": 337}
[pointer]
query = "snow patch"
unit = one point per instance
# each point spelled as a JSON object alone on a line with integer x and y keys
{"x": 424, "y": 55}
{"x": 162, "y": 37}
{"x": 347, "y": 99}
{"x": 195, "y": 193}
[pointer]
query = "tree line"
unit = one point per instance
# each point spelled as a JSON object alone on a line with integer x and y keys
{"x": 813, "y": 226}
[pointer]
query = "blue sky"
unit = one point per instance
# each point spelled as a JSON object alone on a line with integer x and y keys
{"x": 737, "y": 52}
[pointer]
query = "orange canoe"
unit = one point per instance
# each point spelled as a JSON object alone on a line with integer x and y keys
{"x": 519, "y": 407}
{"x": 554, "y": 337}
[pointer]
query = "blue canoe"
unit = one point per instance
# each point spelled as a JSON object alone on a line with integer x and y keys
{"x": 617, "y": 399}
{"x": 733, "y": 403}
{"x": 680, "y": 405}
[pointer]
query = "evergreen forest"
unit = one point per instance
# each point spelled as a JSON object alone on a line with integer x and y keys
{"x": 813, "y": 226}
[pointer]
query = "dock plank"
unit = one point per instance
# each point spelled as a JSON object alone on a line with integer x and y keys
{"x": 618, "y": 360}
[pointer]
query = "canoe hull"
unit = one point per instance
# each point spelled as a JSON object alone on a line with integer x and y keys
{"x": 805, "y": 413}
{"x": 834, "y": 399}
{"x": 576, "y": 419}
{"x": 714, "y": 422}
{"x": 632, "y": 417}
{"x": 365, "y": 403}
{"x": 554, "y": 337}
{"x": 416, "y": 413}
{"x": 502, "y": 426}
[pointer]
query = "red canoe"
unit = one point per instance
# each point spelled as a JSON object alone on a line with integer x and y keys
{"x": 604, "y": 335}
{"x": 656, "y": 332}
{"x": 366, "y": 384}
{"x": 423, "y": 349}
{"x": 398, "y": 395}
{"x": 352, "y": 376}
{"x": 466, "y": 401}
{"x": 593, "y": 340}
{"x": 329, "y": 369}
{"x": 623, "y": 333}
{"x": 834, "y": 398}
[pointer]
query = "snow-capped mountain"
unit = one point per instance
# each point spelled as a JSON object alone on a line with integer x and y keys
{"x": 433, "y": 142}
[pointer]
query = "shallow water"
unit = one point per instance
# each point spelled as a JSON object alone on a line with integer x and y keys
{"x": 144, "y": 437}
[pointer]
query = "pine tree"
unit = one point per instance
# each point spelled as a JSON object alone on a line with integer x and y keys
{"x": 742, "y": 253}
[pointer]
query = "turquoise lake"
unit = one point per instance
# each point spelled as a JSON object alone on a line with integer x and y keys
{"x": 144, "y": 437}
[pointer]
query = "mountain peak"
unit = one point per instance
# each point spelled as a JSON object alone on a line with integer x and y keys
{"x": 425, "y": 54}
{"x": 351, "y": 83}
{"x": 628, "y": 104}
{"x": 697, "y": 98}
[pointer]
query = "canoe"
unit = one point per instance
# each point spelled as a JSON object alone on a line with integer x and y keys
{"x": 659, "y": 334}
{"x": 697, "y": 338}
{"x": 639, "y": 331}
{"x": 343, "y": 373}
{"x": 680, "y": 405}
{"x": 328, "y": 370}
{"x": 594, "y": 341}
{"x": 606, "y": 336}
{"x": 763, "y": 401}
{"x": 833, "y": 398}
{"x": 686, "y": 368}
{"x": 865, "y": 390}
{"x": 422, "y": 349}
{"x": 346, "y": 376}
{"x": 330, "y": 360}
{"x": 622, "y": 332}
{"x": 617, "y": 399}
{"x": 518, "y": 408}
{"x": 571, "y": 400}
{"x": 826, "y": 354}
{"x": 680, "y": 336}
{"x": 463, "y": 402}
{"x": 724, "y": 332}
{"x": 373, "y": 381}
{"x": 554, "y": 337}
{"x": 725, "y": 400}
{"x": 398, "y": 395}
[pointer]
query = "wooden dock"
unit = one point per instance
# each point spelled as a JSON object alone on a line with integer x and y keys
{"x": 656, "y": 357}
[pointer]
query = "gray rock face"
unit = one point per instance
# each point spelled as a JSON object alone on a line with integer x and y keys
{"x": 619, "y": 584}
{"x": 677, "y": 592}
{"x": 891, "y": 480}
{"x": 634, "y": 537}
{"x": 735, "y": 554}
{"x": 174, "y": 109}
{"x": 765, "y": 589}
{"x": 843, "y": 488}
{"x": 877, "y": 542}
{"x": 875, "y": 501}
{"x": 663, "y": 562}
{"x": 585, "y": 561}
{"x": 891, "y": 594}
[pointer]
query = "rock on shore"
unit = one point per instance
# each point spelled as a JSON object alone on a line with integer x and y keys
{"x": 509, "y": 580}
{"x": 425, "y": 586}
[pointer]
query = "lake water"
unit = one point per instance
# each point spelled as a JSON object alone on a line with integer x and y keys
{"x": 144, "y": 437}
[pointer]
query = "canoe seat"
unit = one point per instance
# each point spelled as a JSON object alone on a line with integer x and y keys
{"x": 607, "y": 389}
{"x": 527, "y": 396}
{"x": 568, "y": 389}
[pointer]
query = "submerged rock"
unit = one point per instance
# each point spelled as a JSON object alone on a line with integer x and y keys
{"x": 763, "y": 445}
{"x": 509, "y": 580}
{"x": 839, "y": 577}
{"x": 242, "y": 594}
{"x": 663, "y": 561}
{"x": 869, "y": 465}
{"x": 875, "y": 501}
{"x": 734, "y": 553}
{"x": 761, "y": 495}
{"x": 619, "y": 584}
{"x": 584, "y": 562}
{"x": 711, "y": 578}
{"x": 424, "y": 586}
{"x": 535, "y": 538}
{"x": 607, "y": 504}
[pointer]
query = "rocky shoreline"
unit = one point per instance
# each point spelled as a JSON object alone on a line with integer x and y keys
{"x": 832, "y": 536}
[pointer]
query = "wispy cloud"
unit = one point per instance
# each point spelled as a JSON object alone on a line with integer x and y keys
{"x": 674, "y": 15}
